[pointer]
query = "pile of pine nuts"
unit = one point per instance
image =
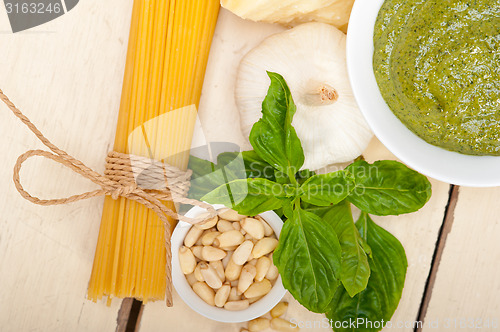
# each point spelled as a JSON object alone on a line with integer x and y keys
{"x": 227, "y": 259}
{"x": 275, "y": 322}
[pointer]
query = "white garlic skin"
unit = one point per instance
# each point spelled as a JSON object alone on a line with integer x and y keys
{"x": 309, "y": 57}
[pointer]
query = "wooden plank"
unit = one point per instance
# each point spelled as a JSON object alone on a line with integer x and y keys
{"x": 465, "y": 293}
{"x": 66, "y": 76}
{"x": 438, "y": 253}
{"x": 219, "y": 117}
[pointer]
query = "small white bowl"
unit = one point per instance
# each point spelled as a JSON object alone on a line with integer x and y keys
{"x": 441, "y": 164}
{"x": 185, "y": 291}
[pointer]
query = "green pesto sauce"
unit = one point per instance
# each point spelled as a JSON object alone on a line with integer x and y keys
{"x": 437, "y": 64}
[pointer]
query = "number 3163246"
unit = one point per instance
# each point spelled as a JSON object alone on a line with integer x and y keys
{"x": 33, "y": 8}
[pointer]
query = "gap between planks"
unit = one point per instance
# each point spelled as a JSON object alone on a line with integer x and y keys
{"x": 445, "y": 229}
{"x": 129, "y": 316}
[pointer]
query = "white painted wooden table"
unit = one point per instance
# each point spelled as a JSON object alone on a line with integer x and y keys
{"x": 66, "y": 76}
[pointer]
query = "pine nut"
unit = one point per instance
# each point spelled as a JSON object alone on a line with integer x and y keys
{"x": 191, "y": 279}
{"x": 253, "y": 227}
{"x": 282, "y": 325}
{"x": 222, "y": 295}
{"x": 187, "y": 260}
{"x": 226, "y": 259}
{"x": 236, "y": 305}
{"x": 268, "y": 231}
{"x": 206, "y": 293}
{"x": 229, "y": 214}
{"x": 224, "y": 226}
{"x": 253, "y": 262}
{"x": 246, "y": 277}
{"x": 234, "y": 295}
{"x": 242, "y": 253}
{"x": 210, "y": 275}
{"x": 263, "y": 264}
{"x": 259, "y": 288}
{"x": 230, "y": 238}
{"x": 279, "y": 309}
{"x": 258, "y": 324}
{"x": 254, "y": 299}
{"x": 219, "y": 268}
{"x": 197, "y": 273}
{"x": 198, "y": 242}
{"x": 272, "y": 273}
{"x": 237, "y": 226}
{"x": 231, "y": 248}
{"x": 264, "y": 246}
{"x": 209, "y": 223}
{"x": 208, "y": 239}
{"x": 192, "y": 236}
{"x": 210, "y": 253}
{"x": 197, "y": 252}
{"x": 233, "y": 270}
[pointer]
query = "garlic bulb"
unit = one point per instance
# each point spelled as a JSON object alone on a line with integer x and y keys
{"x": 311, "y": 58}
{"x": 293, "y": 12}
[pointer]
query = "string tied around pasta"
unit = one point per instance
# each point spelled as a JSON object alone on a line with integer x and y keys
{"x": 143, "y": 180}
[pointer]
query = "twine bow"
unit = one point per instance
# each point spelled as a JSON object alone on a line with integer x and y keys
{"x": 121, "y": 178}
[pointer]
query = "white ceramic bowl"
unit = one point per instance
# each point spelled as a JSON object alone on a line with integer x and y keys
{"x": 185, "y": 291}
{"x": 441, "y": 164}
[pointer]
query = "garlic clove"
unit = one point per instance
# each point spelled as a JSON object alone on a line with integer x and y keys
{"x": 311, "y": 57}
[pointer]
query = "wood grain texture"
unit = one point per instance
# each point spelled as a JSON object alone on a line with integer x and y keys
{"x": 467, "y": 287}
{"x": 219, "y": 116}
{"x": 66, "y": 77}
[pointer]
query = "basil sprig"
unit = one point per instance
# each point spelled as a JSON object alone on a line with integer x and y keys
{"x": 328, "y": 262}
{"x": 372, "y": 308}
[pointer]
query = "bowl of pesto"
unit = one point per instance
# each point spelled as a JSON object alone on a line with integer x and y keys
{"x": 426, "y": 75}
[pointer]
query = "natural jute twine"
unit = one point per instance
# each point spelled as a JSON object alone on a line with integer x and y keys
{"x": 119, "y": 181}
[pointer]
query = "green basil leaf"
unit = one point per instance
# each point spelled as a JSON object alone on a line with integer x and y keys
{"x": 388, "y": 187}
{"x": 273, "y": 137}
{"x": 281, "y": 177}
{"x": 381, "y": 297}
{"x": 230, "y": 166}
{"x": 205, "y": 178}
{"x": 320, "y": 211}
{"x": 303, "y": 175}
{"x": 248, "y": 196}
{"x": 255, "y": 167}
{"x": 308, "y": 259}
{"x": 327, "y": 189}
{"x": 355, "y": 267}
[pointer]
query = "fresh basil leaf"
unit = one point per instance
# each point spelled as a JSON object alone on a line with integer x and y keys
{"x": 355, "y": 267}
{"x": 255, "y": 167}
{"x": 273, "y": 137}
{"x": 248, "y": 196}
{"x": 230, "y": 166}
{"x": 287, "y": 209}
{"x": 327, "y": 189}
{"x": 388, "y": 187}
{"x": 381, "y": 297}
{"x": 205, "y": 178}
{"x": 308, "y": 259}
{"x": 281, "y": 177}
{"x": 303, "y": 175}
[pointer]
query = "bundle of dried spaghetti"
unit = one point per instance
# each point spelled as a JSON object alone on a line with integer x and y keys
{"x": 167, "y": 55}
